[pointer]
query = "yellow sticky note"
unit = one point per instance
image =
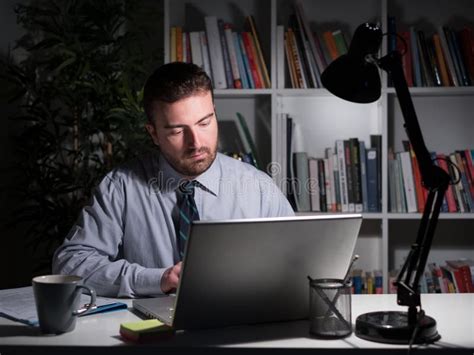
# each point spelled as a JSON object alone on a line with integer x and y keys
{"x": 145, "y": 330}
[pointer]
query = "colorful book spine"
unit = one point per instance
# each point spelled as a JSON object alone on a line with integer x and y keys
{"x": 246, "y": 36}
{"x": 258, "y": 46}
{"x": 240, "y": 61}
{"x": 245, "y": 58}
{"x": 237, "y": 82}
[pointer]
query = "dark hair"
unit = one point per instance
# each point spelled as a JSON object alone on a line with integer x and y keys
{"x": 172, "y": 82}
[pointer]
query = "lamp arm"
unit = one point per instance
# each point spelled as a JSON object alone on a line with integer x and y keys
{"x": 435, "y": 179}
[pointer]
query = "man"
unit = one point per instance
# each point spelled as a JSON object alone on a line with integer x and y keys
{"x": 125, "y": 243}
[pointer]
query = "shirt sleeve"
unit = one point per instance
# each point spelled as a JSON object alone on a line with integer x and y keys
{"x": 92, "y": 249}
{"x": 274, "y": 203}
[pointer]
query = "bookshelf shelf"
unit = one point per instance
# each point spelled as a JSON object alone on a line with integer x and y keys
{"x": 445, "y": 113}
{"x": 303, "y": 92}
{"x": 437, "y": 91}
{"x": 417, "y": 216}
{"x": 241, "y": 92}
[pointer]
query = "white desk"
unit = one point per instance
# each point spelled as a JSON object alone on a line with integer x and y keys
{"x": 454, "y": 314}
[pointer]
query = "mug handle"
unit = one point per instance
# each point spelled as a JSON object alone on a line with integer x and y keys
{"x": 88, "y": 306}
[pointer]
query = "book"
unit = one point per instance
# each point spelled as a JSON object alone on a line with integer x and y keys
{"x": 18, "y": 304}
{"x": 349, "y": 175}
{"x": 205, "y": 53}
{"x": 466, "y": 262}
{"x": 253, "y": 64}
{"x": 464, "y": 77}
{"x": 313, "y": 41}
{"x": 250, "y": 23}
{"x": 300, "y": 167}
{"x": 309, "y": 66}
{"x": 408, "y": 181}
{"x": 440, "y": 58}
{"x": 450, "y": 199}
{"x": 436, "y": 71}
{"x": 340, "y": 42}
{"x": 376, "y": 142}
{"x": 196, "y": 52}
{"x": 425, "y": 62}
{"x": 314, "y": 184}
{"x": 466, "y": 41}
{"x": 458, "y": 187}
{"x": 341, "y": 163}
{"x": 330, "y": 177}
{"x": 322, "y": 185}
{"x": 245, "y": 59}
{"x": 372, "y": 178}
{"x": 463, "y": 273}
{"x": 447, "y": 56}
{"x": 215, "y": 52}
{"x": 419, "y": 189}
{"x": 404, "y": 46}
{"x": 300, "y": 76}
{"x": 452, "y": 52}
{"x": 186, "y": 48}
{"x": 225, "y": 55}
{"x": 240, "y": 61}
{"x": 330, "y": 45}
{"x": 280, "y": 57}
{"x": 464, "y": 181}
{"x": 290, "y": 60}
{"x": 173, "y": 44}
{"x": 179, "y": 44}
{"x": 356, "y": 175}
{"x": 418, "y": 81}
{"x": 237, "y": 83}
{"x": 392, "y": 182}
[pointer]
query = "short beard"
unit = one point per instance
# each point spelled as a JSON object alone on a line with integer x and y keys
{"x": 193, "y": 168}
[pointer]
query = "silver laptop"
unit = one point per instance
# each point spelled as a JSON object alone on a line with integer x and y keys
{"x": 250, "y": 271}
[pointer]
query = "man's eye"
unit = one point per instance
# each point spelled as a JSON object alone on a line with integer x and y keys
{"x": 205, "y": 123}
{"x": 175, "y": 132}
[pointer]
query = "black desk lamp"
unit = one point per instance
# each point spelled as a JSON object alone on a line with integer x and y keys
{"x": 354, "y": 77}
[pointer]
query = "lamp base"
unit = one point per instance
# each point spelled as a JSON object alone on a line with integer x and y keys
{"x": 393, "y": 327}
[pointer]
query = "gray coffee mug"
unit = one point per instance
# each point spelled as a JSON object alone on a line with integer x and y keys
{"x": 58, "y": 299}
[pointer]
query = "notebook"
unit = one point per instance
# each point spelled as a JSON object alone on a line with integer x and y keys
{"x": 249, "y": 271}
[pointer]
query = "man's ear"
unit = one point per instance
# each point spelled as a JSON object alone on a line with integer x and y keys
{"x": 151, "y": 129}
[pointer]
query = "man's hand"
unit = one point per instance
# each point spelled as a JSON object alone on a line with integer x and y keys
{"x": 170, "y": 278}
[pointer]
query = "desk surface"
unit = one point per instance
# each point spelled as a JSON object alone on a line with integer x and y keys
{"x": 454, "y": 314}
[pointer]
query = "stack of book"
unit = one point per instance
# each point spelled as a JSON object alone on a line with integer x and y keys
{"x": 456, "y": 276}
{"x": 346, "y": 179}
{"x": 306, "y": 52}
{"x": 442, "y": 58}
{"x": 231, "y": 59}
{"x": 367, "y": 282}
{"x": 406, "y": 191}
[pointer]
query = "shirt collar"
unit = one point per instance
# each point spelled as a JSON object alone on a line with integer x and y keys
{"x": 170, "y": 178}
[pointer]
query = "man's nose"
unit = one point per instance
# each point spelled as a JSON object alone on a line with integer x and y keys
{"x": 192, "y": 138}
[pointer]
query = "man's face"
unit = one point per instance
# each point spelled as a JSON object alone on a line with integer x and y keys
{"x": 186, "y": 132}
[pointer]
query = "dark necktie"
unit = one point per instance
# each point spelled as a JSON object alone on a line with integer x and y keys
{"x": 187, "y": 213}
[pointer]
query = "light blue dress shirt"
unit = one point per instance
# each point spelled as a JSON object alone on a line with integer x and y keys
{"x": 125, "y": 239}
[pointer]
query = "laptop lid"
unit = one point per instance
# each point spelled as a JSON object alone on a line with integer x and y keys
{"x": 249, "y": 271}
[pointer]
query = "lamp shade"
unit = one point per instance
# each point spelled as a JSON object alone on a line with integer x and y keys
{"x": 353, "y": 76}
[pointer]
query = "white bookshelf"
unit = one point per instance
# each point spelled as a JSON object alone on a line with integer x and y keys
{"x": 445, "y": 114}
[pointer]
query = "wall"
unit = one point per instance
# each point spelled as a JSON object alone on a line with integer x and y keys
{"x": 15, "y": 265}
